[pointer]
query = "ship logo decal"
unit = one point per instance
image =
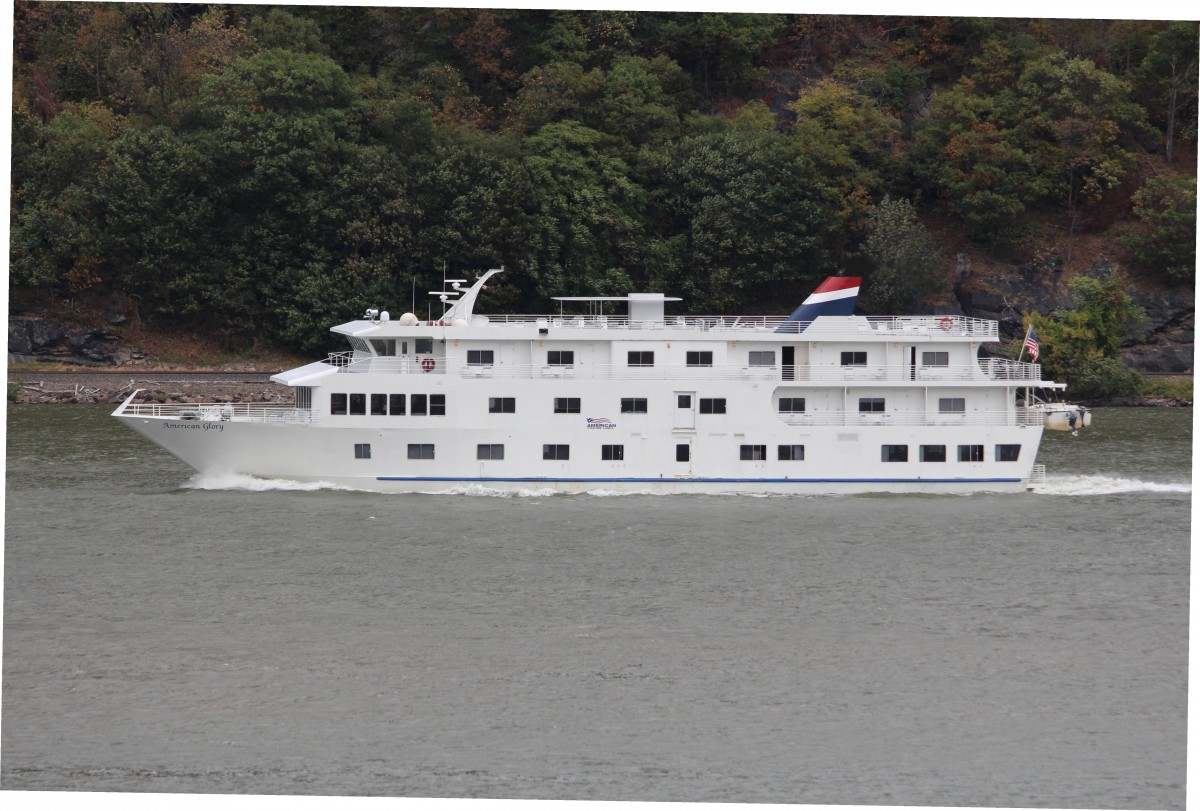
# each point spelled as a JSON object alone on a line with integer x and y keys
{"x": 600, "y": 423}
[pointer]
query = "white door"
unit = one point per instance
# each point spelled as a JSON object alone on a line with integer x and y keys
{"x": 685, "y": 409}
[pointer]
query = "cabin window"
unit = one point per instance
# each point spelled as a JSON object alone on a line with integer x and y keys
{"x": 379, "y": 404}
{"x": 566, "y": 405}
{"x": 1007, "y": 453}
{"x": 337, "y": 404}
{"x": 396, "y": 404}
{"x": 935, "y": 358}
{"x": 420, "y": 405}
{"x": 641, "y": 358}
{"x": 362, "y": 450}
{"x": 791, "y": 453}
{"x": 480, "y": 357}
{"x": 384, "y": 347}
{"x": 358, "y": 403}
{"x": 612, "y": 453}
{"x": 437, "y": 405}
{"x": 489, "y": 451}
{"x": 712, "y": 405}
{"x": 683, "y": 452}
{"x": 502, "y": 405}
{"x": 633, "y": 405}
{"x": 753, "y": 453}
{"x": 791, "y": 405}
{"x": 699, "y": 358}
{"x": 420, "y": 451}
{"x": 560, "y": 357}
{"x": 762, "y": 358}
{"x": 854, "y": 358}
{"x": 933, "y": 453}
{"x": 871, "y": 405}
{"x": 423, "y": 346}
{"x": 970, "y": 453}
{"x": 895, "y": 453}
{"x": 556, "y": 452}
{"x": 952, "y": 405}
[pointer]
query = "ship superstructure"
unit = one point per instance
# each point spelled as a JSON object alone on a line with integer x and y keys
{"x": 821, "y": 401}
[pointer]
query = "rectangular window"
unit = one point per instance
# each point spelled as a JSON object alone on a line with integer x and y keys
{"x": 612, "y": 453}
{"x": 895, "y": 453}
{"x": 362, "y": 451}
{"x": 633, "y": 405}
{"x": 854, "y": 358}
{"x": 556, "y": 451}
{"x": 699, "y": 358}
{"x": 712, "y": 405}
{"x": 419, "y": 405}
{"x": 791, "y": 405}
{"x": 437, "y": 405}
{"x": 684, "y": 401}
{"x": 753, "y": 453}
{"x": 420, "y": 451}
{"x": 337, "y": 404}
{"x": 791, "y": 453}
{"x": 933, "y": 453}
{"x": 423, "y": 346}
{"x": 480, "y": 357}
{"x": 641, "y": 358}
{"x": 396, "y": 403}
{"x": 970, "y": 453}
{"x": 502, "y": 405}
{"x": 952, "y": 405}
{"x": 379, "y": 404}
{"x": 1007, "y": 453}
{"x": 683, "y": 452}
{"x": 358, "y": 403}
{"x": 559, "y": 357}
{"x": 935, "y": 358}
{"x": 566, "y": 405}
{"x": 384, "y": 347}
{"x": 489, "y": 451}
{"x": 763, "y": 358}
{"x": 871, "y": 405}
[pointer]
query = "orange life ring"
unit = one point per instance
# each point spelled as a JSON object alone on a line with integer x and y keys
{"x": 428, "y": 364}
{"x": 946, "y": 323}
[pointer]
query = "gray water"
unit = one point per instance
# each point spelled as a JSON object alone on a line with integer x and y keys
{"x": 167, "y": 633}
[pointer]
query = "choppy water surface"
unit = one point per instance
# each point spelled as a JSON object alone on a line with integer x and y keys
{"x": 170, "y": 633}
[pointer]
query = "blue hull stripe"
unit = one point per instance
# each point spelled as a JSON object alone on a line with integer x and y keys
{"x": 551, "y": 480}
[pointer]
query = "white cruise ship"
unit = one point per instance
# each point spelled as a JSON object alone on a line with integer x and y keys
{"x": 822, "y": 401}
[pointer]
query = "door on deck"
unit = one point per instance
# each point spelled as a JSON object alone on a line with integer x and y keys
{"x": 789, "y": 363}
{"x": 685, "y": 409}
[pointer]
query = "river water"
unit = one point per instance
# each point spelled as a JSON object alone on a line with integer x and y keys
{"x": 168, "y": 633}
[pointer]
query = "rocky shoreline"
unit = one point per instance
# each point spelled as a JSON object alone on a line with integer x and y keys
{"x": 158, "y": 387}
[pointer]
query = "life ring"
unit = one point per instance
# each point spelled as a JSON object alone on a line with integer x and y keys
{"x": 428, "y": 364}
{"x": 946, "y": 323}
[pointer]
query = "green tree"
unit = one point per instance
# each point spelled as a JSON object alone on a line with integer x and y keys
{"x": 906, "y": 262}
{"x": 1169, "y": 69}
{"x": 1165, "y": 244}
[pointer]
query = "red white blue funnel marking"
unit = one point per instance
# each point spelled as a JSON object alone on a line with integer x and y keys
{"x": 836, "y": 296}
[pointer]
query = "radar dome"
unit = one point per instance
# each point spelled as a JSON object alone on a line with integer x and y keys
{"x": 408, "y": 320}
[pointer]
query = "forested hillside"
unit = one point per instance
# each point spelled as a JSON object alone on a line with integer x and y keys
{"x": 270, "y": 170}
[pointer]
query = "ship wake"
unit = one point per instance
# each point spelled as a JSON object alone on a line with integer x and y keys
{"x": 1099, "y": 485}
{"x": 252, "y": 484}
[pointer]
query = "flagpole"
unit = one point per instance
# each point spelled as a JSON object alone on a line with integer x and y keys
{"x": 1028, "y": 330}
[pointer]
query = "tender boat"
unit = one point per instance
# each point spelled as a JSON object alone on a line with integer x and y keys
{"x": 821, "y": 401}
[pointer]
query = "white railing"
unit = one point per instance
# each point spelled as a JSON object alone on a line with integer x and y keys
{"x": 219, "y": 412}
{"x": 849, "y": 418}
{"x": 952, "y": 325}
{"x": 985, "y": 369}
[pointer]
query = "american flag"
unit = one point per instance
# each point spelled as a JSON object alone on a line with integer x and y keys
{"x": 1031, "y": 344}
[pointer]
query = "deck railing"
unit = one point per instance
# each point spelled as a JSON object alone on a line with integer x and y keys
{"x": 1019, "y": 416}
{"x": 219, "y": 412}
{"x": 987, "y": 369}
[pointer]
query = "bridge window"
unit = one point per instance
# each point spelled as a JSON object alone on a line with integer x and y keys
{"x": 437, "y": 405}
{"x": 854, "y": 358}
{"x": 423, "y": 346}
{"x": 502, "y": 405}
{"x": 420, "y": 451}
{"x": 379, "y": 404}
{"x": 337, "y": 403}
{"x": 699, "y": 358}
{"x": 396, "y": 404}
{"x": 384, "y": 347}
{"x": 420, "y": 405}
{"x": 358, "y": 403}
{"x": 895, "y": 453}
{"x": 791, "y": 453}
{"x": 489, "y": 451}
